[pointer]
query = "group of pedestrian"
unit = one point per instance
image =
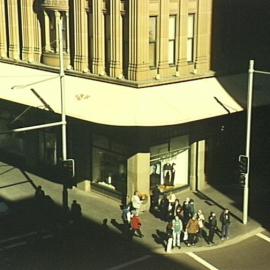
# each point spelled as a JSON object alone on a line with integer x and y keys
{"x": 184, "y": 221}
{"x": 191, "y": 223}
{"x": 185, "y": 224}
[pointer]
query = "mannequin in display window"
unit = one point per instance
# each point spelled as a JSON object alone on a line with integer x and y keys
{"x": 167, "y": 173}
{"x": 172, "y": 174}
{"x": 154, "y": 176}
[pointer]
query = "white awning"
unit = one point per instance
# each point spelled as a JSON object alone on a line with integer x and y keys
{"x": 113, "y": 104}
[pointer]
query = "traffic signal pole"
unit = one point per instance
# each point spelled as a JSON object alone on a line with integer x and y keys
{"x": 251, "y": 72}
{"x": 249, "y": 110}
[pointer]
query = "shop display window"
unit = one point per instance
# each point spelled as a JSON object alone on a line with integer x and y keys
{"x": 109, "y": 167}
{"x": 169, "y": 164}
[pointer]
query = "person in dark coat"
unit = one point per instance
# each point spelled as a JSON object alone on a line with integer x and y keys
{"x": 155, "y": 199}
{"x": 164, "y": 206}
{"x": 169, "y": 233}
{"x": 186, "y": 212}
{"x": 225, "y": 219}
{"x": 192, "y": 211}
{"x": 177, "y": 209}
{"x": 212, "y": 223}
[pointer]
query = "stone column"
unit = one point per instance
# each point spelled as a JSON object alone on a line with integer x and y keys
{"x": 193, "y": 166}
{"x": 182, "y": 65}
{"x": 98, "y": 38}
{"x": 163, "y": 66}
{"x": 116, "y": 39}
{"x": 139, "y": 177}
{"x": 37, "y": 39}
{"x": 138, "y": 40}
{"x": 14, "y": 43}
{"x": 197, "y": 165}
{"x": 28, "y": 31}
{"x": 80, "y": 36}
{"x": 202, "y": 61}
{"x": 3, "y": 34}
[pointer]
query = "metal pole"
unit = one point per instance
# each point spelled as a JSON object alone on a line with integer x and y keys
{"x": 21, "y": 86}
{"x": 63, "y": 111}
{"x": 62, "y": 87}
{"x": 249, "y": 110}
{"x": 54, "y": 124}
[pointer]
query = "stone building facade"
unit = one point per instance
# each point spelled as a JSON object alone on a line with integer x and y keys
{"x": 158, "y": 45}
{"x": 138, "y": 42}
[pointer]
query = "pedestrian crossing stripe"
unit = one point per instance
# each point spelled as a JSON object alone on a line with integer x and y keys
{"x": 201, "y": 261}
{"x": 263, "y": 236}
{"x": 124, "y": 265}
{"x": 19, "y": 240}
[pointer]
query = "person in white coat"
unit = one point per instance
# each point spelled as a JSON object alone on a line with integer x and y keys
{"x": 136, "y": 202}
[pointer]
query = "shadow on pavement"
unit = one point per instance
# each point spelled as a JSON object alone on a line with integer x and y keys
{"x": 211, "y": 202}
{"x": 39, "y": 234}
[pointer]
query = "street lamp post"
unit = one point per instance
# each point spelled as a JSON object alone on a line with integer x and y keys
{"x": 63, "y": 122}
{"x": 62, "y": 87}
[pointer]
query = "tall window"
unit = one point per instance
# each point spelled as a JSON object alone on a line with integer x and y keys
{"x": 125, "y": 44}
{"x": 172, "y": 40}
{"x": 90, "y": 39}
{"x": 152, "y": 41}
{"x": 191, "y": 37}
{"x": 107, "y": 42}
{"x": 52, "y": 29}
{"x": 64, "y": 31}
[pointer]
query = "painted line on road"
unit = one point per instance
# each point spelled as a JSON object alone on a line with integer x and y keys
{"x": 15, "y": 245}
{"x": 47, "y": 236}
{"x": 120, "y": 266}
{"x": 17, "y": 237}
{"x": 263, "y": 236}
{"x": 201, "y": 261}
{"x": 22, "y": 243}
{"x": 21, "y": 236}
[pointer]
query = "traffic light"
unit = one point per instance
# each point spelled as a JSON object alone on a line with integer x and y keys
{"x": 69, "y": 167}
{"x": 242, "y": 180}
{"x": 243, "y": 164}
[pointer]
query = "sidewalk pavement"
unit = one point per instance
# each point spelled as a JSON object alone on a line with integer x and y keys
{"x": 16, "y": 185}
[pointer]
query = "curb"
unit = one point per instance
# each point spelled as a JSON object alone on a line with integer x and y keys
{"x": 223, "y": 244}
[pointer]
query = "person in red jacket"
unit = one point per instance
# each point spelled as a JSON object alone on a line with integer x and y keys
{"x": 136, "y": 225}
